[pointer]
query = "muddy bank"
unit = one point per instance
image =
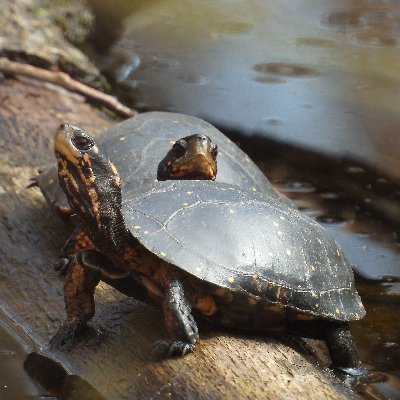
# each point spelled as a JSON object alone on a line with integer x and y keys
{"x": 14, "y": 347}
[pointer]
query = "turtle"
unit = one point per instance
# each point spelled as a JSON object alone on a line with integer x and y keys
{"x": 137, "y": 145}
{"x": 238, "y": 258}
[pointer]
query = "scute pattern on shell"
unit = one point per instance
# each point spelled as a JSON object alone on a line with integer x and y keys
{"x": 247, "y": 242}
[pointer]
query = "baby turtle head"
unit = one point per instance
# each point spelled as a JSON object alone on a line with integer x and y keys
{"x": 192, "y": 157}
{"x": 88, "y": 178}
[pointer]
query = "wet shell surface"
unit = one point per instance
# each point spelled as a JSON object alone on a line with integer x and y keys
{"x": 247, "y": 242}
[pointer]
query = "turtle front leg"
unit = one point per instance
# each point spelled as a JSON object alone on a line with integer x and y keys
{"x": 130, "y": 283}
{"x": 75, "y": 243}
{"x": 342, "y": 349}
{"x": 180, "y": 324}
{"x": 79, "y": 304}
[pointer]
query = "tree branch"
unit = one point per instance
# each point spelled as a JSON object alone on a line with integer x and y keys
{"x": 64, "y": 80}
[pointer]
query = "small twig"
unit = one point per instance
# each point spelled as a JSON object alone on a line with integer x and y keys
{"x": 64, "y": 80}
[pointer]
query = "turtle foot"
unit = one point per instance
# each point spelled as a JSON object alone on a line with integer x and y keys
{"x": 353, "y": 377}
{"x": 167, "y": 348}
{"x": 66, "y": 337}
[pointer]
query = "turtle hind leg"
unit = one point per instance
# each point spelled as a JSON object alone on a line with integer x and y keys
{"x": 342, "y": 349}
{"x": 180, "y": 324}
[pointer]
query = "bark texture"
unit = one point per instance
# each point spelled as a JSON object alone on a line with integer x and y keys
{"x": 39, "y": 32}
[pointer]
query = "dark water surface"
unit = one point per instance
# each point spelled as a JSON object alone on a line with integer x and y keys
{"x": 320, "y": 74}
{"x": 15, "y": 383}
{"x": 311, "y": 90}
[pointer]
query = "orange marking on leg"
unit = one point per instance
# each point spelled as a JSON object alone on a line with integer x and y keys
{"x": 148, "y": 264}
{"x": 79, "y": 294}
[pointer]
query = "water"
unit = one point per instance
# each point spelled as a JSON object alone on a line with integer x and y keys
{"x": 311, "y": 90}
{"x": 318, "y": 74}
{"x": 371, "y": 246}
{"x": 15, "y": 383}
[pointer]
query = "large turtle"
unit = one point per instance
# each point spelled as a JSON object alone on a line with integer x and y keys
{"x": 137, "y": 145}
{"x": 238, "y": 258}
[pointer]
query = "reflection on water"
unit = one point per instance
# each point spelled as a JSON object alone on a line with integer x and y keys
{"x": 283, "y": 69}
{"x": 328, "y": 70}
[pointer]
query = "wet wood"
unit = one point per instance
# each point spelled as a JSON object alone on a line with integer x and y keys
{"x": 112, "y": 361}
{"x": 64, "y": 80}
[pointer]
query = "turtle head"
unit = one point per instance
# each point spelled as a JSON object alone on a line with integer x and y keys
{"x": 192, "y": 157}
{"x": 88, "y": 178}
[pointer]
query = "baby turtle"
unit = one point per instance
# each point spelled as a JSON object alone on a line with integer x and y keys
{"x": 238, "y": 258}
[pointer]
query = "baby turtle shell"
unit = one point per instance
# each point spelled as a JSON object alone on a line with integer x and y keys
{"x": 246, "y": 242}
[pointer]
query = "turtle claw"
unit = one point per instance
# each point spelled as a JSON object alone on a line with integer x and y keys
{"x": 32, "y": 182}
{"x": 168, "y": 348}
{"x": 66, "y": 337}
{"x": 63, "y": 264}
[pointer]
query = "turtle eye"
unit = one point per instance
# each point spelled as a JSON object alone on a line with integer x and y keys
{"x": 82, "y": 142}
{"x": 214, "y": 151}
{"x": 179, "y": 149}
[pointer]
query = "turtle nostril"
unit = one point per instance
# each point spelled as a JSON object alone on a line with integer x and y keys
{"x": 62, "y": 126}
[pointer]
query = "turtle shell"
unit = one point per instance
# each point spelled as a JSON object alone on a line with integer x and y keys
{"x": 47, "y": 181}
{"x": 137, "y": 145}
{"x": 250, "y": 243}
